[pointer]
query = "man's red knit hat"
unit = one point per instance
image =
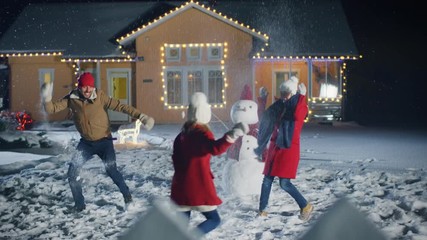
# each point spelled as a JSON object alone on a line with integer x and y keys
{"x": 86, "y": 79}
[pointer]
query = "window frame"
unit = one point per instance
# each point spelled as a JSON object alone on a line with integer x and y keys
{"x": 219, "y": 57}
{"x": 170, "y": 58}
{"x": 275, "y": 86}
{"x": 328, "y": 81}
{"x": 184, "y": 82}
{"x": 193, "y": 58}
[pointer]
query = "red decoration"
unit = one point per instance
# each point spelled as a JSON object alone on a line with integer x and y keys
{"x": 246, "y": 93}
{"x": 24, "y": 121}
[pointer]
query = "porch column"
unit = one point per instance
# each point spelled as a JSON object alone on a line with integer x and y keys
{"x": 309, "y": 80}
{"x": 98, "y": 74}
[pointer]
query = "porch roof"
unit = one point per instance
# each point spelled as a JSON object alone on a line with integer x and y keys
{"x": 294, "y": 28}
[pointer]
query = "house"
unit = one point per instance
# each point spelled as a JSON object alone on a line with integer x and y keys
{"x": 154, "y": 55}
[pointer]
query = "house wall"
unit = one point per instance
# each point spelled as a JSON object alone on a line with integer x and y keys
{"x": 191, "y": 26}
{"x": 25, "y": 86}
{"x": 103, "y": 84}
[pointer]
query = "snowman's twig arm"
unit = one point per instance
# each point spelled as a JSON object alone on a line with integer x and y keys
{"x": 227, "y": 128}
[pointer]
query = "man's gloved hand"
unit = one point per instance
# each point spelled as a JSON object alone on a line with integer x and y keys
{"x": 302, "y": 89}
{"x": 263, "y": 93}
{"x": 238, "y": 130}
{"x": 46, "y": 92}
{"x": 147, "y": 122}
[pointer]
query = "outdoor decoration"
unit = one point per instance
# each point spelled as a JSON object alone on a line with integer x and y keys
{"x": 24, "y": 121}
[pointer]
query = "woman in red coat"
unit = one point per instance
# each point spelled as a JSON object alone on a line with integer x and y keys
{"x": 283, "y": 121}
{"x": 192, "y": 183}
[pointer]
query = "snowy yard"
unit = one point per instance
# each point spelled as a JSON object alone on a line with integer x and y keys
{"x": 381, "y": 171}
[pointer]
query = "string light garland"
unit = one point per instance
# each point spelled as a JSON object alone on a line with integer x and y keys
{"x": 31, "y": 54}
{"x": 259, "y": 56}
{"x": 201, "y": 45}
{"x": 337, "y": 58}
{"x": 184, "y": 7}
{"x": 314, "y": 101}
{"x": 101, "y": 60}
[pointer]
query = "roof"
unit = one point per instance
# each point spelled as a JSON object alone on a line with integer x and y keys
{"x": 298, "y": 28}
{"x": 178, "y": 8}
{"x": 294, "y": 28}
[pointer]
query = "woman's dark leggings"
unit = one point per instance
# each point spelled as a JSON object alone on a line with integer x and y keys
{"x": 212, "y": 221}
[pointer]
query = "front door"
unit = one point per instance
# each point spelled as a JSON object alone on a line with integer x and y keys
{"x": 119, "y": 88}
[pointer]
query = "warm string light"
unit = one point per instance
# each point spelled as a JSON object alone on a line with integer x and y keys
{"x": 325, "y": 100}
{"x": 101, "y": 60}
{"x": 258, "y": 56}
{"x": 32, "y": 54}
{"x": 344, "y": 78}
{"x": 202, "y": 7}
{"x": 201, "y": 45}
{"x": 316, "y": 100}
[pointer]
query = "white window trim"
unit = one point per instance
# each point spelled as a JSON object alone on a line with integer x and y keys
{"x": 215, "y": 58}
{"x": 184, "y": 71}
{"x": 42, "y": 72}
{"x": 169, "y": 58}
{"x": 274, "y": 82}
{"x": 192, "y": 58}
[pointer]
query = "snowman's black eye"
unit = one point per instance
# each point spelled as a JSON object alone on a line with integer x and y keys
{"x": 250, "y": 106}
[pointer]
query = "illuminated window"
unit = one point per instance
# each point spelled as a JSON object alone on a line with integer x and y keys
{"x": 326, "y": 79}
{"x": 215, "y": 86}
{"x": 182, "y": 82}
{"x": 195, "y": 81}
{"x": 279, "y": 78}
{"x": 174, "y": 87}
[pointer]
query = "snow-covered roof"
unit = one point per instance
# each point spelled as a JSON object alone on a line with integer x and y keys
{"x": 291, "y": 28}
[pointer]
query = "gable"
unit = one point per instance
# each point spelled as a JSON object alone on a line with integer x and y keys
{"x": 174, "y": 12}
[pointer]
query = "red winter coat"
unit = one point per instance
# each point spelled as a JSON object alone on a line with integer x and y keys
{"x": 192, "y": 182}
{"x": 283, "y": 162}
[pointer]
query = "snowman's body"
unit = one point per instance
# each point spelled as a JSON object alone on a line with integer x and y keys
{"x": 243, "y": 172}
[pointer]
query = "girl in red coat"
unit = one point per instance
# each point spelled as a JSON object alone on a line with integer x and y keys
{"x": 281, "y": 125}
{"x": 192, "y": 183}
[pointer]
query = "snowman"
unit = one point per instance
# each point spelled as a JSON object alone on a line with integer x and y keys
{"x": 242, "y": 174}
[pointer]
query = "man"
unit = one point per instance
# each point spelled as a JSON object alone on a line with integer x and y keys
{"x": 89, "y": 108}
{"x": 281, "y": 126}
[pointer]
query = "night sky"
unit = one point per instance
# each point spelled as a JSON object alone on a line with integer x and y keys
{"x": 387, "y": 87}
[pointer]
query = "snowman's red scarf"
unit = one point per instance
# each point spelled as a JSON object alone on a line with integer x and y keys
{"x": 234, "y": 150}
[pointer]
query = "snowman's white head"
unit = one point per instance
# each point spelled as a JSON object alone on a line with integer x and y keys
{"x": 245, "y": 111}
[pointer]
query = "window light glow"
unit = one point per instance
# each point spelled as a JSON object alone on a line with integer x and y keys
{"x": 222, "y": 67}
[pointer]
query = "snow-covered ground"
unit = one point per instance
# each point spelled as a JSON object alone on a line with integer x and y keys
{"x": 382, "y": 172}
